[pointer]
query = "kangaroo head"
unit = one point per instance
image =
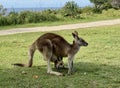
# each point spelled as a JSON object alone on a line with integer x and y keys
{"x": 78, "y": 40}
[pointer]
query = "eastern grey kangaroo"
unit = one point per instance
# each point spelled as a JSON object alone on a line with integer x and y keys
{"x": 53, "y": 47}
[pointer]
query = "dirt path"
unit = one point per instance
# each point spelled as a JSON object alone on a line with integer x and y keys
{"x": 61, "y": 27}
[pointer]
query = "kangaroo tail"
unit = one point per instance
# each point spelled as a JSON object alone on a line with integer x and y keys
{"x": 20, "y": 64}
{"x": 31, "y": 51}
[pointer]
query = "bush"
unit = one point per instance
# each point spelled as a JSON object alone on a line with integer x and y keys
{"x": 97, "y": 10}
{"x": 106, "y": 6}
{"x": 49, "y": 11}
{"x": 87, "y": 9}
{"x": 111, "y": 13}
{"x": 12, "y": 18}
{"x": 22, "y": 17}
{"x": 39, "y": 17}
{"x": 50, "y": 15}
{"x": 71, "y": 9}
{"x": 30, "y": 18}
{"x": 87, "y": 12}
{"x": 3, "y": 21}
{"x": 100, "y": 5}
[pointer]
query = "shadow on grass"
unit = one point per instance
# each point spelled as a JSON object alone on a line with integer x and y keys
{"x": 36, "y": 76}
{"x": 79, "y": 67}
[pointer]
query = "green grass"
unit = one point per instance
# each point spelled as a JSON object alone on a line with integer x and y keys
{"x": 96, "y": 66}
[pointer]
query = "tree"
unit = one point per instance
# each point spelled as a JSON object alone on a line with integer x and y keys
{"x": 116, "y": 3}
{"x": 101, "y": 4}
{"x": 71, "y": 9}
{"x": 2, "y": 10}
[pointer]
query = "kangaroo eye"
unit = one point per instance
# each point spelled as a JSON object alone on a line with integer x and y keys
{"x": 81, "y": 40}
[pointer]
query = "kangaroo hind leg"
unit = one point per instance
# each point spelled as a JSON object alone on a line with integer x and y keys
{"x": 47, "y": 54}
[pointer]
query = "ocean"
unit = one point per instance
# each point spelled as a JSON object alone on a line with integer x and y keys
{"x": 29, "y": 9}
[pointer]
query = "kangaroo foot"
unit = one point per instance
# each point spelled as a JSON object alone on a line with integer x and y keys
{"x": 55, "y": 73}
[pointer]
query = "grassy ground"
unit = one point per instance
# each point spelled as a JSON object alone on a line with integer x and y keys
{"x": 96, "y": 66}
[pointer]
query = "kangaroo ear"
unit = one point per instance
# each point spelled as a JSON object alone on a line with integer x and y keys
{"x": 75, "y": 34}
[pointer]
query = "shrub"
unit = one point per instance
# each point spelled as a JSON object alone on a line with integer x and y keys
{"x": 3, "y": 21}
{"x": 97, "y": 10}
{"x": 87, "y": 9}
{"x": 22, "y": 17}
{"x": 12, "y": 18}
{"x": 111, "y": 13}
{"x": 50, "y": 15}
{"x": 71, "y": 9}
{"x": 87, "y": 12}
{"x": 49, "y": 11}
{"x": 100, "y": 5}
{"x": 35, "y": 17}
{"x": 39, "y": 17}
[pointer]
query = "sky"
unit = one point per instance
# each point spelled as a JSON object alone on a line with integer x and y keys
{"x": 40, "y": 3}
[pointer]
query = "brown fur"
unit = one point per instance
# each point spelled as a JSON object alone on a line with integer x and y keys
{"x": 53, "y": 46}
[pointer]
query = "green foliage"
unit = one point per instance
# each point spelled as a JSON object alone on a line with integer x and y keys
{"x": 87, "y": 12}
{"x": 3, "y": 21}
{"x": 111, "y": 13}
{"x": 12, "y": 18}
{"x": 27, "y": 17}
{"x": 97, "y": 10}
{"x": 22, "y": 17}
{"x": 71, "y": 9}
{"x": 87, "y": 9}
{"x": 99, "y": 5}
{"x": 107, "y": 6}
{"x": 50, "y": 15}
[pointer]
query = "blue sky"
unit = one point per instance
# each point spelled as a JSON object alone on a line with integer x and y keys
{"x": 40, "y": 3}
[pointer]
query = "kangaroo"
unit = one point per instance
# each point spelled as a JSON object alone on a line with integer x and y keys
{"x": 58, "y": 63}
{"x": 53, "y": 46}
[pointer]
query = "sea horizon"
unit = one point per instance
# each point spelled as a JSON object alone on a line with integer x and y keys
{"x": 31, "y": 9}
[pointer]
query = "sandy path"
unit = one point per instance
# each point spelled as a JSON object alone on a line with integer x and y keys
{"x": 61, "y": 27}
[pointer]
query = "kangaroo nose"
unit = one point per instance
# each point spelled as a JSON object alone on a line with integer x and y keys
{"x": 86, "y": 44}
